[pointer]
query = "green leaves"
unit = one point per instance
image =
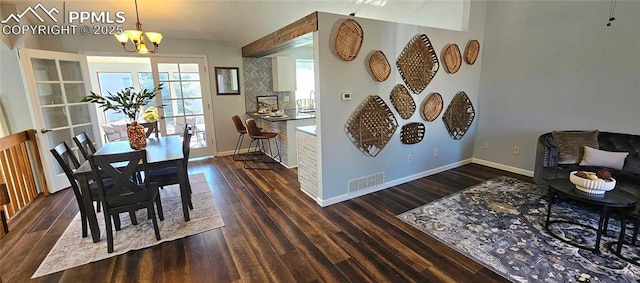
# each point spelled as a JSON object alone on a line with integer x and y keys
{"x": 126, "y": 101}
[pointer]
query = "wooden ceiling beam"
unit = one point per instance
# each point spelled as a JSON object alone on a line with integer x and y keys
{"x": 283, "y": 38}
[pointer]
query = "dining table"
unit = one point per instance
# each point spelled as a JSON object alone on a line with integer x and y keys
{"x": 162, "y": 152}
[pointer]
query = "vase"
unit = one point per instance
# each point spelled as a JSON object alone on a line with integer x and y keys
{"x": 137, "y": 136}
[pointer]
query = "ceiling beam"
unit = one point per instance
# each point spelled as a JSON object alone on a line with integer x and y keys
{"x": 287, "y": 37}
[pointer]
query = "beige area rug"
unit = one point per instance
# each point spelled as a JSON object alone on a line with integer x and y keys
{"x": 72, "y": 250}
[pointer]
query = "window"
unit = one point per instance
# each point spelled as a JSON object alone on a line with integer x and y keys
{"x": 305, "y": 84}
{"x": 112, "y": 82}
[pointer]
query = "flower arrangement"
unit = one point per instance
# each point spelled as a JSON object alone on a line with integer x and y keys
{"x": 126, "y": 101}
{"x": 151, "y": 114}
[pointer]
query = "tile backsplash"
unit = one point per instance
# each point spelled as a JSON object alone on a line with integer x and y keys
{"x": 258, "y": 81}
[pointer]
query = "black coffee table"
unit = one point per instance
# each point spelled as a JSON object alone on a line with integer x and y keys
{"x": 615, "y": 198}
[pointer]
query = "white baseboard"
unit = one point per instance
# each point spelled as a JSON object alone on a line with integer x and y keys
{"x": 392, "y": 183}
{"x": 512, "y": 169}
{"x": 230, "y": 152}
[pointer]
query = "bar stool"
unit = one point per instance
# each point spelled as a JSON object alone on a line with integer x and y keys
{"x": 259, "y": 137}
{"x": 240, "y": 128}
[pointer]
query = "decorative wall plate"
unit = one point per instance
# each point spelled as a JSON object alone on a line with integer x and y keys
{"x": 379, "y": 66}
{"x": 472, "y": 51}
{"x": 371, "y": 126}
{"x": 402, "y": 101}
{"x": 412, "y": 133}
{"x": 451, "y": 58}
{"x": 418, "y": 63}
{"x": 431, "y": 107}
{"x": 348, "y": 39}
{"x": 459, "y": 115}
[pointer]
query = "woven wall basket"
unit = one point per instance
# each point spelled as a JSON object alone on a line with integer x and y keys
{"x": 371, "y": 126}
{"x": 459, "y": 115}
{"x": 418, "y": 63}
{"x": 402, "y": 101}
{"x": 412, "y": 133}
{"x": 379, "y": 66}
{"x": 348, "y": 39}
{"x": 432, "y": 107}
{"x": 451, "y": 58}
{"x": 472, "y": 51}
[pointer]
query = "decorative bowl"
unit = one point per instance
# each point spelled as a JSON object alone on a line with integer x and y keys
{"x": 589, "y": 186}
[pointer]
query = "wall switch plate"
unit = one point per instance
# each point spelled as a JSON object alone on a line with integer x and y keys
{"x": 346, "y": 96}
{"x": 516, "y": 150}
{"x": 409, "y": 158}
{"x": 435, "y": 152}
{"x": 286, "y": 98}
{"x": 486, "y": 144}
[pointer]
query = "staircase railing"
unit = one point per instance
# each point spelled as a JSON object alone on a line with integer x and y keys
{"x": 19, "y": 158}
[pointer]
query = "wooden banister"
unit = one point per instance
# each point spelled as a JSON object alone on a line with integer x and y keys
{"x": 19, "y": 157}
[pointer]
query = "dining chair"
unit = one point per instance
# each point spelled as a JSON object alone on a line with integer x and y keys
{"x": 125, "y": 195}
{"x": 84, "y": 143}
{"x": 169, "y": 175}
{"x": 68, "y": 162}
{"x": 259, "y": 137}
{"x": 149, "y": 128}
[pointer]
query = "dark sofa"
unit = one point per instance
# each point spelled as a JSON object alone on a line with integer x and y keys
{"x": 628, "y": 179}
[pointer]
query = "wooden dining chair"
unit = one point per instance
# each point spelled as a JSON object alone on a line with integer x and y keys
{"x": 126, "y": 195}
{"x": 68, "y": 162}
{"x": 84, "y": 143}
{"x": 169, "y": 175}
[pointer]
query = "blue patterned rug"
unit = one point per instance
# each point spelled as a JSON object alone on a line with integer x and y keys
{"x": 500, "y": 224}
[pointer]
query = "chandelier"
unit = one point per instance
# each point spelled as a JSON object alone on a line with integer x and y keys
{"x": 139, "y": 38}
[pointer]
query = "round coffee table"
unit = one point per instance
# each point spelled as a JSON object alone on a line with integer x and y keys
{"x": 615, "y": 198}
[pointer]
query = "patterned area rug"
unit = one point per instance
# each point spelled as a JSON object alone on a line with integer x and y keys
{"x": 500, "y": 224}
{"x": 72, "y": 250}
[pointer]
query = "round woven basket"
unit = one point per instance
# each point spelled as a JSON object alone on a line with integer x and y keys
{"x": 432, "y": 107}
{"x": 472, "y": 51}
{"x": 379, "y": 66}
{"x": 348, "y": 39}
{"x": 452, "y": 58}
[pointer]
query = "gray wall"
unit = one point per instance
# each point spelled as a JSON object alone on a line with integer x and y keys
{"x": 218, "y": 54}
{"x": 341, "y": 160}
{"x": 555, "y": 65}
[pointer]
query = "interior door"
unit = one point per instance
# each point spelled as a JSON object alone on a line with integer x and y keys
{"x": 56, "y": 83}
{"x": 185, "y": 99}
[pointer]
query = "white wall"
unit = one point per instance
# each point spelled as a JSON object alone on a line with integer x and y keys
{"x": 218, "y": 54}
{"x": 341, "y": 160}
{"x": 555, "y": 65}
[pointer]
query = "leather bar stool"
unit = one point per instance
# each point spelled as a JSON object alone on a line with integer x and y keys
{"x": 242, "y": 131}
{"x": 259, "y": 138}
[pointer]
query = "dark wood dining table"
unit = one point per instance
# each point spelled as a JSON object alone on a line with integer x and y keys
{"x": 162, "y": 152}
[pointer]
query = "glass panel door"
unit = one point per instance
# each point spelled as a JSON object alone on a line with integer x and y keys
{"x": 185, "y": 100}
{"x": 57, "y": 83}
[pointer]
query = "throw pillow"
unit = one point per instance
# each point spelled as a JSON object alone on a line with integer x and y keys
{"x": 601, "y": 158}
{"x": 571, "y": 144}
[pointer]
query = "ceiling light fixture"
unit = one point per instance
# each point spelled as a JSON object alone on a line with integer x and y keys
{"x": 138, "y": 37}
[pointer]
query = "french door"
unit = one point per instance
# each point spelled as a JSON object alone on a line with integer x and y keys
{"x": 57, "y": 82}
{"x": 185, "y": 100}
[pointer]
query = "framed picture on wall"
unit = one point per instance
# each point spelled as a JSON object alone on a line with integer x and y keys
{"x": 227, "y": 81}
{"x": 268, "y": 103}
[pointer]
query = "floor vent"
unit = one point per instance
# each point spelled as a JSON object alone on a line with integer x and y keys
{"x": 366, "y": 182}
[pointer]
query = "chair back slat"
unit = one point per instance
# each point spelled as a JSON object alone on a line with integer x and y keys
{"x": 68, "y": 162}
{"x": 84, "y": 143}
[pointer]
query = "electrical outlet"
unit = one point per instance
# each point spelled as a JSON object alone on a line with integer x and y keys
{"x": 239, "y": 100}
{"x": 435, "y": 152}
{"x": 486, "y": 144}
{"x": 286, "y": 98}
{"x": 409, "y": 158}
{"x": 516, "y": 150}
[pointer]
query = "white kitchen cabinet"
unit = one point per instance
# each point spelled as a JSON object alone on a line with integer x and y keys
{"x": 284, "y": 73}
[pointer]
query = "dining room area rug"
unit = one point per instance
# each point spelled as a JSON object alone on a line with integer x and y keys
{"x": 72, "y": 250}
{"x": 500, "y": 224}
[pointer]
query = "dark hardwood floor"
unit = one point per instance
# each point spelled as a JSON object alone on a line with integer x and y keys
{"x": 273, "y": 233}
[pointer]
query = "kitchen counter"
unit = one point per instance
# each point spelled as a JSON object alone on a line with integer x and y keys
{"x": 311, "y": 129}
{"x": 286, "y": 129}
{"x": 290, "y": 114}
